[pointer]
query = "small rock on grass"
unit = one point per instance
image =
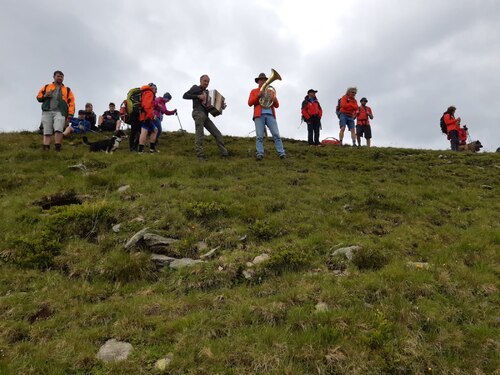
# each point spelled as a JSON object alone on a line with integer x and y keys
{"x": 163, "y": 363}
{"x": 116, "y": 228}
{"x": 418, "y": 265}
{"x": 321, "y": 307}
{"x": 347, "y": 251}
{"x": 123, "y": 189}
{"x": 114, "y": 351}
{"x": 184, "y": 262}
{"x": 136, "y": 238}
{"x": 261, "y": 258}
{"x": 210, "y": 254}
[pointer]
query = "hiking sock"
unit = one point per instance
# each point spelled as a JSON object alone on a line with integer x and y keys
{"x": 152, "y": 147}
{"x": 141, "y": 148}
{"x": 46, "y": 147}
{"x": 58, "y": 147}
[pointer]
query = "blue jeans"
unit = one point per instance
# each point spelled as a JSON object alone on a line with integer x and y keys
{"x": 260, "y": 127}
{"x": 157, "y": 123}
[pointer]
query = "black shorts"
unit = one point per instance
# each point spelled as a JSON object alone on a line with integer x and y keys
{"x": 364, "y": 129}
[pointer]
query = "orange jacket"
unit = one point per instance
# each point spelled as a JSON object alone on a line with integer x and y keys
{"x": 147, "y": 103}
{"x": 253, "y": 100}
{"x": 451, "y": 123}
{"x": 348, "y": 106}
{"x": 363, "y": 115}
{"x": 67, "y": 104}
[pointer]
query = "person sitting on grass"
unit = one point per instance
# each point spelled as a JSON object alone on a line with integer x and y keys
{"x": 110, "y": 120}
{"x": 77, "y": 125}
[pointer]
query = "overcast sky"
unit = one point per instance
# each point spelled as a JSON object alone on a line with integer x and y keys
{"x": 411, "y": 59}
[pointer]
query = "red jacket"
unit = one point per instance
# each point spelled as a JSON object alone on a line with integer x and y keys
{"x": 253, "y": 100}
{"x": 147, "y": 103}
{"x": 462, "y": 136}
{"x": 348, "y": 106}
{"x": 311, "y": 108}
{"x": 363, "y": 115}
{"x": 451, "y": 123}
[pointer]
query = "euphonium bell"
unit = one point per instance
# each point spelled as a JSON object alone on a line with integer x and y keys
{"x": 266, "y": 101}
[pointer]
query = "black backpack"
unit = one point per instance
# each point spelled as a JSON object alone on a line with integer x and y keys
{"x": 444, "y": 128}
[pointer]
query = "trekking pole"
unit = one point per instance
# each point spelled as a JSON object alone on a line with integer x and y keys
{"x": 301, "y": 121}
{"x": 178, "y": 119}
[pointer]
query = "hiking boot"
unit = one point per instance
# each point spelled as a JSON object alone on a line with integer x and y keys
{"x": 58, "y": 147}
{"x": 283, "y": 156}
{"x": 259, "y": 157}
{"x": 153, "y": 151}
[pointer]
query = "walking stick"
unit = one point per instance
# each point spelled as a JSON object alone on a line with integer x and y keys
{"x": 301, "y": 121}
{"x": 178, "y": 119}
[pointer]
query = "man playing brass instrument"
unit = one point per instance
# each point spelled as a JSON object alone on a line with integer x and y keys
{"x": 197, "y": 94}
{"x": 263, "y": 115}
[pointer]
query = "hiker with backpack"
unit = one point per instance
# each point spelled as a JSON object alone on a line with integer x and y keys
{"x": 311, "y": 113}
{"x": 347, "y": 109}
{"x": 160, "y": 109}
{"x": 58, "y": 106}
{"x": 451, "y": 124}
{"x": 363, "y": 116}
{"x": 146, "y": 117}
{"x": 198, "y": 94}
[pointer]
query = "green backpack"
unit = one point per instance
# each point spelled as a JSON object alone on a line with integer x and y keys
{"x": 134, "y": 97}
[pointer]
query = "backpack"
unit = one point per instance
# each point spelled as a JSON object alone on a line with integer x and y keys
{"x": 443, "y": 126}
{"x": 134, "y": 97}
{"x": 337, "y": 109}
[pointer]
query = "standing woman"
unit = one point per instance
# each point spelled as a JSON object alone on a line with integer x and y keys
{"x": 348, "y": 108}
{"x": 312, "y": 112}
{"x": 452, "y": 127}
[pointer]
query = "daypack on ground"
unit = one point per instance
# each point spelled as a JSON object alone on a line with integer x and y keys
{"x": 134, "y": 97}
{"x": 444, "y": 128}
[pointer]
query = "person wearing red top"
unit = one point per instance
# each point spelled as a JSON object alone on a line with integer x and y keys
{"x": 147, "y": 118}
{"x": 312, "y": 112}
{"x": 452, "y": 127}
{"x": 348, "y": 108}
{"x": 363, "y": 116}
{"x": 264, "y": 117}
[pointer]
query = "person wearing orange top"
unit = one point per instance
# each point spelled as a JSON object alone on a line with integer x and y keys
{"x": 363, "y": 116}
{"x": 347, "y": 108}
{"x": 147, "y": 118}
{"x": 311, "y": 113}
{"x": 263, "y": 117}
{"x": 452, "y": 127}
{"x": 58, "y": 106}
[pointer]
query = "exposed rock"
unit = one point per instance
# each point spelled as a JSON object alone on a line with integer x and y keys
{"x": 184, "y": 262}
{"x": 136, "y": 238}
{"x": 347, "y": 208}
{"x": 250, "y": 264}
{"x": 487, "y": 187}
{"x": 156, "y": 242}
{"x": 77, "y": 167}
{"x": 124, "y": 188}
{"x": 321, "y": 307}
{"x": 248, "y": 274}
{"x": 243, "y": 238}
{"x": 261, "y": 258}
{"x": 163, "y": 363}
{"x": 210, "y": 254}
{"x": 114, "y": 351}
{"x": 116, "y": 228}
{"x": 347, "y": 251}
{"x": 160, "y": 260}
{"x": 139, "y": 218}
{"x": 418, "y": 265}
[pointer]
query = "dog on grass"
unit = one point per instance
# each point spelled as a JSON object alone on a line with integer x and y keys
{"x": 472, "y": 147}
{"x": 107, "y": 145}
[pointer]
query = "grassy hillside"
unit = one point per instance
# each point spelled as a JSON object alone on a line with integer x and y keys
{"x": 67, "y": 284}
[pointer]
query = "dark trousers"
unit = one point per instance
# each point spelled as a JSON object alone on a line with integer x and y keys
{"x": 135, "y": 132}
{"x": 313, "y": 127}
{"x": 454, "y": 140}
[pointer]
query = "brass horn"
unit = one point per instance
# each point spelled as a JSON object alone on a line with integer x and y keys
{"x": 266, "y": 101}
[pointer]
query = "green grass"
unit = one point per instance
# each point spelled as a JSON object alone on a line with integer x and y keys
{"x": 67, "y": 285}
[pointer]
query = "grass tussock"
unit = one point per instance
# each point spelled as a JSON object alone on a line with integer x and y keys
{"x": 420, "y": 295}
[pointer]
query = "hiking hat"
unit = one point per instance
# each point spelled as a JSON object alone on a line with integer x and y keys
{"x": 312, "y": 90}
{"x": 167, "y": 96}
{"x": 261, "y": 76}
{"x": 363, "y": 99}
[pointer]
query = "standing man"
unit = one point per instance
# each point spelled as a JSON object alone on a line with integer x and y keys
{"x": 147, "y": 118}
{"x": 363, "y": 116}
{"x": 312, "y": 112}
{"x": 198, "y": 95}
{"x": 348, "y": 107}
{"x": 58, "y": 106}
{"x": 452, "y": 127}
{"x": 264, "y": 116}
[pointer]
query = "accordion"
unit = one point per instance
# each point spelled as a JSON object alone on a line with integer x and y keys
{"x": 214, "y": 102}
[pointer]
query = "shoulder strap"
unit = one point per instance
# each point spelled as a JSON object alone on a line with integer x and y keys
{"x": 44, "y": 89}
